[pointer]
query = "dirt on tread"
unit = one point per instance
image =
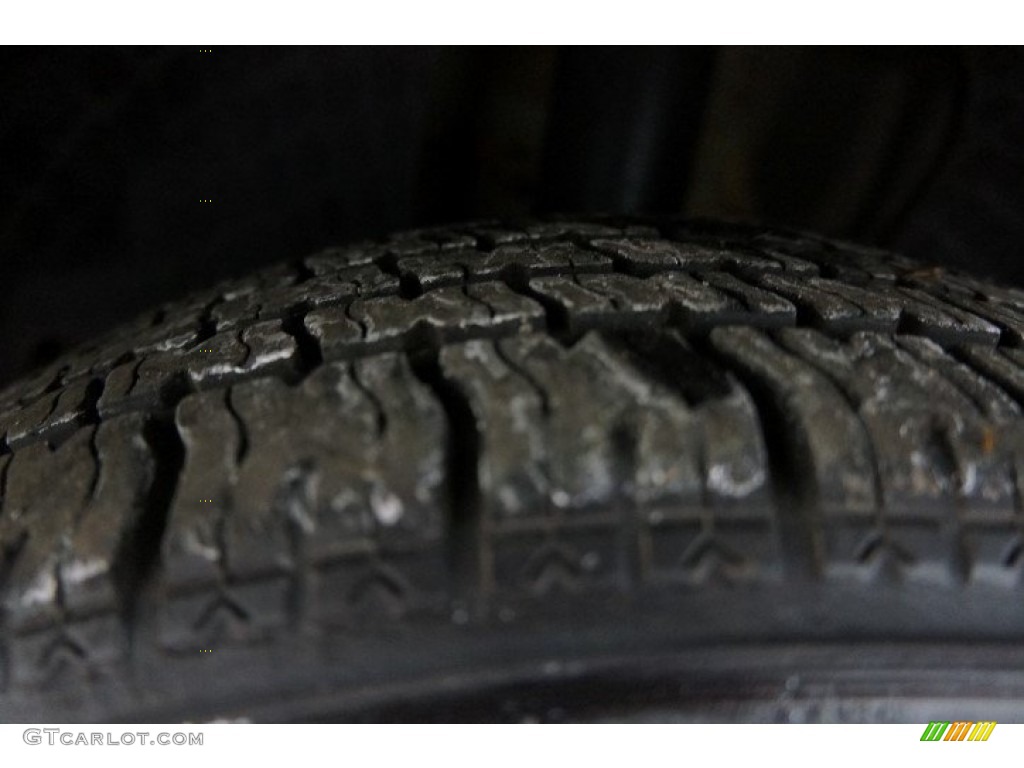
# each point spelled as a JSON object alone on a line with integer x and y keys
{"x": 458, "y": 451}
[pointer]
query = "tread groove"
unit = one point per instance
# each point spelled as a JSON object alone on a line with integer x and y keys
{"x": 854, "y": 409}
{"x": 138, "y": 552}
{"x": 792, "y": 493}
{"x": 464, "y": 513}
{"x": 207, "y": 325}
{"x": 8, "y": 557}
{"x": 409, "y": 286}
{"x": 243, "y": 431}
{"x": 556, "y": 316}
{"x": 381, "y": 416}
{"x": 525, "y": 375}
{"x": 292, "y": 502}
{"x": 310, "y": 356}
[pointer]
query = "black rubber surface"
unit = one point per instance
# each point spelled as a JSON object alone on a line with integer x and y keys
{"x": 558, "y": 463}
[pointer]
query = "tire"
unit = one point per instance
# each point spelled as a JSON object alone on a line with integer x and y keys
{"x": 600, "y": 470}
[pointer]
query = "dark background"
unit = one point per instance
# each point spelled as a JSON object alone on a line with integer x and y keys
{"x": 106, "y": 152}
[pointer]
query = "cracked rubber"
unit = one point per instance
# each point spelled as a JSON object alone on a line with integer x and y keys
{"x": 560, "y": 470}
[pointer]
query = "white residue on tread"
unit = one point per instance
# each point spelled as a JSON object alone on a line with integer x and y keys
{"x": 265, "y": 358}
{"x": 42, "y": 590}
{"x": 522, "y": 419}
{"x": 924, "y": 479}
{"x": 196, "y": 545}
{"x": 509, "y": 499}
{"x": 553, "y": 667}
{"x": 428, "y": 483}
{"x": 560, "y": 498}
{"x": 387, "y": 507}
{"x": 83, "y": 570}
{"x": 722, "y": 479}
{"x": 969, "y": 483}
{"x": 221, "y": 369}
